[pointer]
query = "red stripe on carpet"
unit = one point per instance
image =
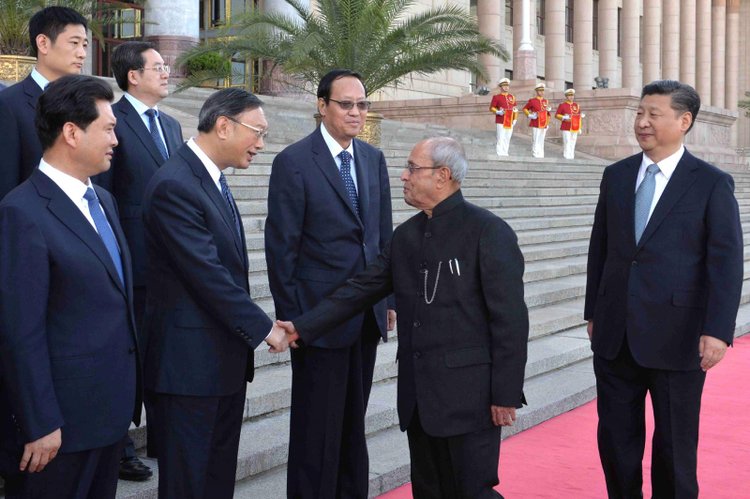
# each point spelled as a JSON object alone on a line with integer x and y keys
{"x": 559, "y": 458}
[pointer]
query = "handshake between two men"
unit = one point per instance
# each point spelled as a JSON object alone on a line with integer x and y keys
{"x": 283, "y": 335}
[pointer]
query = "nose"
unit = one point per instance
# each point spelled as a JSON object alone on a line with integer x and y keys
{"x": 405, "y": 175}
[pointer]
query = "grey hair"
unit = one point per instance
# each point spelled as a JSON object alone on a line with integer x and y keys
{"x": 228, "y": 102}
{"x": 447, "y": 151}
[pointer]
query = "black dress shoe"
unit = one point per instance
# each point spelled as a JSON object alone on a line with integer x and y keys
{"x": 133, "y": 469}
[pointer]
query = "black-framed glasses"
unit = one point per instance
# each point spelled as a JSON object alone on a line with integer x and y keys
{"x": 161, "y": 69}
{"x": 347, "y": 105}
{"x": 413, "y": 167}
{"x": 262, "y": 134}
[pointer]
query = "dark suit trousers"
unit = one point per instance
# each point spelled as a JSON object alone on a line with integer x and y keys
{"x": 198, "y": 442}
{"x": 89, "y": 474}
{"x": 621, "y": 386}
{"x": 459, "y": 467}
{"x": 327, "y": 446}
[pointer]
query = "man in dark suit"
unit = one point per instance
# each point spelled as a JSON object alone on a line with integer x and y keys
{"x": 201, "y": 325}
{"x": 69, "y": 355}
{"x": 58, "y": 41}
{"x": 457, "y": 274}
{"x": 663, "y": 289}
{"x": 141, "y": 73}
{"x": 328, "y": 218}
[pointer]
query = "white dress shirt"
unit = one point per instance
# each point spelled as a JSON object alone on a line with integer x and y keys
{"x": 141, "y": 109}
{"x": 72, "y": 187}
{"x": 39, "y": 79}
{"x": 666, "y": 169}
{"x": 336, "y": 149}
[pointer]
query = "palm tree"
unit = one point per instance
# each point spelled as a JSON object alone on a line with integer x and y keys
{"x": 376, "y": 38}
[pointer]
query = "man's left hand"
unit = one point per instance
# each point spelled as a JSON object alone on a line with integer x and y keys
{"x": 711, "y": 351}
{"x": 503, "y": 416}
{"x": 391, "y": 319}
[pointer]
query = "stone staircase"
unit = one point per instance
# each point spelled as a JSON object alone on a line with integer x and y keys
{"x": 549, "y": 203}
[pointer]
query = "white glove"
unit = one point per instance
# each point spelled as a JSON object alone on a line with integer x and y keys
{"x": 500, "y": 112}
{"x": 549, "y": 109}
{"x": 514, "y": 122}
{"x": 533, "y": 116}
{"x": 566, "y": 117}
{"x": 583, "y": 115}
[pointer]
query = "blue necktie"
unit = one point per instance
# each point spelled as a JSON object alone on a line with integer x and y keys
{"x": 346, "y": 176}
{"x": 643, "y": 198}
{"x": 154, "y": 129}
{"x": 104, "y": 230}
{"x": 230, "y": 202}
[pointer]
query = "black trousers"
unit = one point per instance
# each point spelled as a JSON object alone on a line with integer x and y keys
{"x": 327, "y": 446}
{"x": 198, "y": 442}
{"x": 89, "y": 474}
{"x": 621, "y": 386}
{"x": 459, "y": 467}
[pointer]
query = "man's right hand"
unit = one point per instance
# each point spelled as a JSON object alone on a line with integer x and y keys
{"x": 533, "y": 116}
{"x": 37, "y": 454}
{"x": 291, "y": 332}
{"x": 500, "y": 112}
{"x": 590, "y": 328}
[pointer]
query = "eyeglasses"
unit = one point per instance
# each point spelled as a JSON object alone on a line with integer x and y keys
{"x": 347, "y": 105}
{"x": 414, "y": 167}
{"x": 159, "y": 69}
{"x": 262, "y": 134}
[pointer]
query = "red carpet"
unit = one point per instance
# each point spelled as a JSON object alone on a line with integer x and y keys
{"x": 559, "y": 457}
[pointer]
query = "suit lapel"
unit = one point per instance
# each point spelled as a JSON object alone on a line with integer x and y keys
{"x": 32, "y": 91}
{"x": 627, "y": 195}
{"x": 172, "y": 135}
{"x": 133, "y": 120}
{"x": 68, "y": 213}
{"x": 361, "y": 164}
{"x": 680, "y": 181}
{"x": 322, "y": 158}
{"x": 112, "y": 217}
{"x": 210, "y": 189}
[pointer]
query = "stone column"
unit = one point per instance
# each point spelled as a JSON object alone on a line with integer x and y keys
{"x": 631, "y": 44}
{"x": 670, "y": 51}
{"x": 524, "y": 60}
{"x": 491, "y": 26}
{"x": 733, "y": 60}
{"x": 281, "y": 6}
{"x": 583, "y": 11}
{"x": 703, "y": 51}
{"x": 718, "y": 41}
{"x": 651, "y": 40}
{"x": 687, "y": 42}
{"x": 173, "y": 27}
{"x": 608, "y": 39}
{"x": 554, "y": 43}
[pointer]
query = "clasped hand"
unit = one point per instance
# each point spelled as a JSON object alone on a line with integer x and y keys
{"x": 533, "y": 116}
{"x": 500, "y": 112}
{"x": 283, "y": 335}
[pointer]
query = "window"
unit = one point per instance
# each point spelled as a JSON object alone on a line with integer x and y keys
{"x": 619, "y": 32}
{"x": 509, "y": 74}
{"x": 509, "y": 12}
{"x": 540, "y": 17}
{"x": 569, "y": 21}
{"x": 595, "y": 27}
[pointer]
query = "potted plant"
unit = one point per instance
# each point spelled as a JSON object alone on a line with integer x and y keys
{"x": 208, "y": 69}
{"x": 379, "y": 39}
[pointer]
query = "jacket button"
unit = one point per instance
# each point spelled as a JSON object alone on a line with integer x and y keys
{"x": 131, "y": 350}
{"x": 634, "y": 263}
{"x": 428, "y": 235}
{"x": 417, "y": 355}
{"x": 417, "y": 324}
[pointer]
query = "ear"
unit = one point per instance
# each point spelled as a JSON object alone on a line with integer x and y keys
{"x": 322, "y": 106}
{"x": 71, "y": 134}
{"x": 685, "y": 121}
{"x": 221, "y": 128}
{"x": 43, "y": 43}
{"x": 132, "y": 79}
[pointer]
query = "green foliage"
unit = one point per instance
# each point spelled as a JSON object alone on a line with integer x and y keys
{"x": 15, "y": 16}
{"x": 210, "y": 61}
{"x": 745, "y": 104}
{"x": 377, "y": 38}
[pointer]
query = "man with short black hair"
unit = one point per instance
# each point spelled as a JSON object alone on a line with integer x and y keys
{"x": 69, "y": 353}
{"x": 329, "y": 215}
{"x": 201, "y": 325}
{"x": 58, "y": 41}
{"x": 665, "y": 271}
{"x": 146, "y": 138}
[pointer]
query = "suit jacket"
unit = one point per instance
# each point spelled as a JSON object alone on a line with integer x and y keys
{"x": 19, "y": 144}
{"x": 314, "y": 239}
{"x": 135, "y": 161}
{"x": 466, "y": 349}
{"x": 201, "y": 326}
{"x": 69, "y": 355}
{"x": 683, "y": 279}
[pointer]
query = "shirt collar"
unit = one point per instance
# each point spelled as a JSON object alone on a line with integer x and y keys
{"x": 667, "y": 165}
{"x": 211, "y": 167}
{"x": 139, "y": 106}
{"x": 334, "y": 146}
{"x": 39, "y": 79}
{"x": 71, "y": 186}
